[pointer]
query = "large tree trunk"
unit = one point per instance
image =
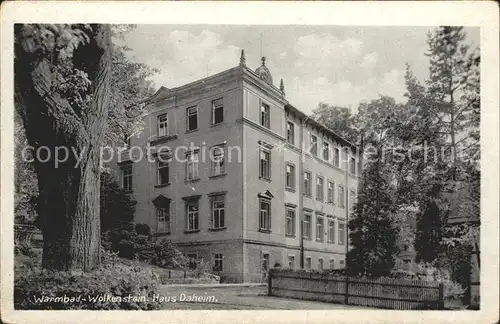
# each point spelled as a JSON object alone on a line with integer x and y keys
{"x": 68, "y": 191}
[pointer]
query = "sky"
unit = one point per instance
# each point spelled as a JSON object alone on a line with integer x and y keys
{"x": 338, "y": 65}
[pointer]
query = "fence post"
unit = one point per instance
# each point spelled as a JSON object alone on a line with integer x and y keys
{"x": 346, "y": 301}
{"x": 169, "y": 273}
{"x": 441, "y": 296}
{"x": 270, "y": 283}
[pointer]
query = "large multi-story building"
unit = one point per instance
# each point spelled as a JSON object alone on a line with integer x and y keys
{"x": 237, "y": 171}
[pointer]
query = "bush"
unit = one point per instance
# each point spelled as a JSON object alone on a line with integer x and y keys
{"x": 201, "y": 268}
{"x": 132, "y": 286}
{"x": 128, "y": 242}
{"x": 142, "y": 229}
{"x": 24, "y": 249}
{"x": 168, "y": 256}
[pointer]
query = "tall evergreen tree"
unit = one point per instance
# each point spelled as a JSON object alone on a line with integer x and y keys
{"x": 428, "y": 235}
{"x": 372, "y": 232}
{"x": 453, "y": 88}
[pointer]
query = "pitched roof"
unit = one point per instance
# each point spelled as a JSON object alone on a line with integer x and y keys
{"x": 465, "y": 205}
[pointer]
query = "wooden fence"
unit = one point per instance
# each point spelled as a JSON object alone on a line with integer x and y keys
{"x": 383, "y": 293}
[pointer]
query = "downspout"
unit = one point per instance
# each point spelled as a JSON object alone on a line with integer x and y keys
{"x": 301, "y": 191}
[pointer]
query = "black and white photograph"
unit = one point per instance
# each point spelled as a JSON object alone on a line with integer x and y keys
{"x": 158, "y": 165}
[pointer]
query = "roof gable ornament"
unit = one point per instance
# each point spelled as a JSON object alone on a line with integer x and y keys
{"x": 263, "y": 72}
{"x": 282, "y": 87}
{"x": 242, "y": 58}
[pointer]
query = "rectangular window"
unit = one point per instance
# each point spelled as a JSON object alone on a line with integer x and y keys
{"x": 290, "y": 222}
{"x": 291, "y": 262}
{"x": 307, "y": 226}
{"x": 217, "y": 111}
{"x": 336, "y": 157}
{"x": 265, "y": 164}
{"x": 326, "y": 151}
{"x": 290, "y": 176}
{"x": 308, "y": 263}
{"x": 320, "y": 229}
{"x": 341, "y": 233}
{"x": 217, "y": 262}
{"x": 352, "y": 198}
{"x": 341, "y": 197}
{"x": 331, "y": 231}
{"x": 307, "y": 184}
{"x": 218, "y": 167}
{"x": 290, "y": 132}
{"x": 352, "y": 166}
{"x": 314, "y": 145}
{"x": 192, "y": 216}
{"x": 265, "y": 214}
{"x": 192, "y": 166}
{"x": 342, "y": 262}
{"x": 264, "y": 115}
{"x": 264, "y": 262}
{"x": 162, "y": 220}
{"x": 218, "y": 212}
{"x": 319, "y": 188}
{"x": 332, "y": 263}
{"x": 192, "y": 118}
{"x": 162, "y": 172}
{"x": 127, "y": 178}
{"x": 320, "y": 264}
{"x": 331, "y": 192}
{"x": 162, "y": 125}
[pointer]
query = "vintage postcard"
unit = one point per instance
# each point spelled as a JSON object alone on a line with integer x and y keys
{"x": 246, "y": 162}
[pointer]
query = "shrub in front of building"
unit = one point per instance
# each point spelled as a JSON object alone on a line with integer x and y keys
{"x": 112, "y": 286}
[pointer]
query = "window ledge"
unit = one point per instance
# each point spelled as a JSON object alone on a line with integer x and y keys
{"x": 308, "y": 196}
{"x": 290, "y": 189}
{"x": 218, "y": 124}
{"x": 217, "y": 229}
{"x": 191, "y": 231}
{"x": 192, "y": 180}
{"x": 320, "y": 200}
{"x": 191, "y": 130}
{"x": 128, "y": 191}
{"x": 263, "y": 230}
{"x": 162, "y": 185}
{"x": 321, "y": 241}
{"x": 217, "y": 176}
{"x": 307, "y": 238}
{"x": 265, "y": 179}
{"x": 163, "y": 139}
{"x": 290, "y": 235}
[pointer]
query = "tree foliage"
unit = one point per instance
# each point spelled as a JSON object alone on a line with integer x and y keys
{"x": 117, "y": 206}
{"x": 371, "y": 230}
{"x": 428, "y": 235}
{"x": 339, "y": 119}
